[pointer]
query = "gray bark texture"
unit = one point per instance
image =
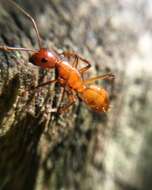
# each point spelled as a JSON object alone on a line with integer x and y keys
{"x": 80, "y": 149}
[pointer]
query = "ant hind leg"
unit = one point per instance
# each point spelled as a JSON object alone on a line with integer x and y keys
{"x": 108, "y": 76}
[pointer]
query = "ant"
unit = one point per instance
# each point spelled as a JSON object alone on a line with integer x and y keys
{"x": 68, "y": 75}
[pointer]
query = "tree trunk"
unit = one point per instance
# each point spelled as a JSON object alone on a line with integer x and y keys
{"x": 79, "y": 149}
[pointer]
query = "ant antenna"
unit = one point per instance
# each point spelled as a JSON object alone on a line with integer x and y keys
{"x": 31, "y": 19}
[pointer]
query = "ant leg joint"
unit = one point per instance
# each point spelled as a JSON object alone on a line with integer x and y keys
{"x": 4, "y": 48}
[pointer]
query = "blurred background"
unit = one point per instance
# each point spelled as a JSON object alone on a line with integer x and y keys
{"x": 80, "y": 149}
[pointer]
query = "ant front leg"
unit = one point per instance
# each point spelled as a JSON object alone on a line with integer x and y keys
{"x": 45, "y": 83}
{"x": 77, "y": 57}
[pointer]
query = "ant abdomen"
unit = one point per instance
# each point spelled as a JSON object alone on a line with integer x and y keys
{"x": 96, "y": 98}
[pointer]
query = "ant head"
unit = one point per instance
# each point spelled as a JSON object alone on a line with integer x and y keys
{"x": 44, "y": 58}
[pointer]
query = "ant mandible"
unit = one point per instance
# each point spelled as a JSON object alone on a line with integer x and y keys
{"x": 69, "y": 76}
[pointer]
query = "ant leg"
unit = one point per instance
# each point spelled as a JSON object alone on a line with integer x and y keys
{"x": 63, "y": 84}
{"x": 61, "y": 97}
{"x": 72, "y": 100}
{"x": 7, "y": 48}
{"x": 108, "y": 76}
{"x": 84, "y": 69}
{"x": 46, "y": 83}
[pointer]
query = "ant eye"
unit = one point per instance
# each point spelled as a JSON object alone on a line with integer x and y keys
{"x": 43, "y": 60}
{"x": 31, "y": 60}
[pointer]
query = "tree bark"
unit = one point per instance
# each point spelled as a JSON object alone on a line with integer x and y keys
{"x": 39, "y": 148}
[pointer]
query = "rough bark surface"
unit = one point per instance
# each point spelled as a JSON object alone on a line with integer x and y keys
{"x": 79, "y": 149}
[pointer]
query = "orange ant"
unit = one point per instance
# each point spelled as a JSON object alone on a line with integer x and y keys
{"x": 69, "y": 76}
